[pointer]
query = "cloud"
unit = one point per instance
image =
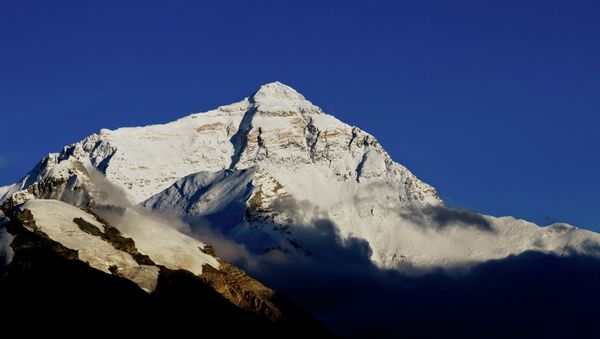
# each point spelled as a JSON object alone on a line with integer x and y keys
{"x": 431, "y": 217}
{"x": 528, "y": 295}
{"x": 107, "y": 193}
{"x": 3, "y": 161}
{"x": 512, "y": 297}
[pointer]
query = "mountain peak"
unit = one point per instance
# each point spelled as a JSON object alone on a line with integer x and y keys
{"x": 278, "y": 97}
{"x": 277, "y": 90}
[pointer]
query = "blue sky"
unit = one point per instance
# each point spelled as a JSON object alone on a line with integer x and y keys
{"x": 495, "y": 103}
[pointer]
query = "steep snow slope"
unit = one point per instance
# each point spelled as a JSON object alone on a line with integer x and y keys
{"x": 56, "y": 219}
{"x": 274, "y": 161}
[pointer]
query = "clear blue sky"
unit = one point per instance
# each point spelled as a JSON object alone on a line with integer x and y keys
{"x": 495, "y": 103}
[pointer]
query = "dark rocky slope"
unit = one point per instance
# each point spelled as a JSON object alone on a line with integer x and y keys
{"x": 47, "y": 282}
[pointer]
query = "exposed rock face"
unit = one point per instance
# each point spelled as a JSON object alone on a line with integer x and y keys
{"x": 236, "y": 286}
{"x": 70, "y": 180}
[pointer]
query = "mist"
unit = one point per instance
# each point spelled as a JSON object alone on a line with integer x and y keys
{"x": 520, "y": 294}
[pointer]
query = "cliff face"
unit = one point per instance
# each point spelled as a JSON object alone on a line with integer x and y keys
{"x": 80, "y": 266}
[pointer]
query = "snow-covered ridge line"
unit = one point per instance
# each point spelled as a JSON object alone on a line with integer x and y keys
{"x": 146, "y": 160}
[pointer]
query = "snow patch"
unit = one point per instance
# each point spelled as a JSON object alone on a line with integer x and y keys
{"x": 277, "y": 97}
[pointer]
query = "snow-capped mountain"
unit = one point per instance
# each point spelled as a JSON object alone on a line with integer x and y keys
{"x": 260, "y": 168}
{"x": 75, "y": 243}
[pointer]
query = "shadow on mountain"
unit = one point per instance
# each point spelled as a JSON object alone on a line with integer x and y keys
{"x": 588, "y": 246}
{"x": 531, "y": 295}
{"x": 47, "y": 284}
{"x": 440, "y": 217}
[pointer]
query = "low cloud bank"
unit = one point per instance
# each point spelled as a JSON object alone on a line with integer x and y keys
{"x": 527, "y": 295}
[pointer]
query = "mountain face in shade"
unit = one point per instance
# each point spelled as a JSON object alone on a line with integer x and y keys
{"x": 271, "y": 176}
